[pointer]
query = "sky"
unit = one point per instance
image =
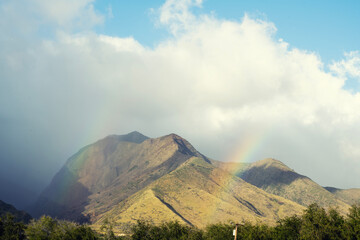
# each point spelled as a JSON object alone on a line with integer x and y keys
{"x": 240, "y": 80}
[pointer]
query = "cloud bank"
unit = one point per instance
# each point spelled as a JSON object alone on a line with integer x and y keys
{"x": 220, "y": 84}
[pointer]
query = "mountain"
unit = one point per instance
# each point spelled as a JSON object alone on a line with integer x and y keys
{"x": 107, "y": 172}
{"x": 276, "y": 178}
{"x": 128, "y": 177}
{"x": 350, "y": 196}
{"x": 198, "y": 193}
{"x": 20, "y": 216}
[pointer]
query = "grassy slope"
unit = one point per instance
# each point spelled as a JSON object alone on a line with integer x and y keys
{"x": 350, "y": 196}
{"x": 197, "y": 193}
{"x": 276, "y": 178}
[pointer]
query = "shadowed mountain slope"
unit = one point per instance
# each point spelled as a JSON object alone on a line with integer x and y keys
{"x": 105, "y": 173}
{"x": 198, "y": 193}
{"x": 276, "y": 178}
{"x": 20, "y": 216}
{"x": 350, "y": 196}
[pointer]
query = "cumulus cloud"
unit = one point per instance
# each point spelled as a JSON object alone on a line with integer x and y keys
{"x": 67, "y": 12}
{"x": 25, "y": 17}
{"x": 348, "y": 67}
{"x": 177, "y": 16}
{"x": 217, "y": 83}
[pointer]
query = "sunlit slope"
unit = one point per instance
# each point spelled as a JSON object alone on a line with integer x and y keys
{"x": 108, "y": 171}
{"x": 197, "y": 193}
{"x": 276, "y": 178}
{"x": 350, "y": 196}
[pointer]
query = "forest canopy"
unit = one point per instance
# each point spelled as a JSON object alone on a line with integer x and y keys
{"x": 315, "y": 223}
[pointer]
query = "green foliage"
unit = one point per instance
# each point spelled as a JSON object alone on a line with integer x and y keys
{"x": 353, "y": 222}
{"x": 257, "y": 232}
{"x": 166, "y": 231}
{"x": 41, "y": 229}
{"x": 336, "y": 228}
{"x": 10, "y": 229}
{"x": 107, "y": 228}
{"x": 47, "y": 228}
{"x": 315, "y": 223}
{"x": 288, "y": 228}
{"x": 219, "y": 231}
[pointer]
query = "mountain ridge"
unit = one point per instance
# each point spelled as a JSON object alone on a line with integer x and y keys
{"x": 350, "y": 196}
{"x": 204, "y": 199}
{"x": 125, "y": 164}
{"x": 125, "y": 177}
{"x": 275, "y": 177}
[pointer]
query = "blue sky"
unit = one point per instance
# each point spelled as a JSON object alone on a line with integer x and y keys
{"x": 327, "y": 27}
{"x": 222, "y": 74}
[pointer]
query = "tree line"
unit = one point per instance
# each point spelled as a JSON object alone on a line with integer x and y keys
{"x": 315, "y": 223}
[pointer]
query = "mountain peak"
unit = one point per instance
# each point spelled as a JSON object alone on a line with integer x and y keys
{"x": 271, "y": 163}
{"x": 134, "y": 137}
{"x": 183, "y": 145}
{"x": 269, "y": 172}
{"x": 173, "y": 136}
{"x": 110, "y": 170}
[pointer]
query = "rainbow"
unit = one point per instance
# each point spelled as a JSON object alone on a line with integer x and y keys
{"x": 248, "y": 146}
{"x": 245, "y": 151}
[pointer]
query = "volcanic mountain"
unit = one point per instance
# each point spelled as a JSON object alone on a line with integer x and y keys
{"x": 130, "y": 177}
{"x": 276, "y": 178}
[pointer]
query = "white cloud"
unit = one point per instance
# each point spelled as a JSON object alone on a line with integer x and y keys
{"x": 65, "y": 12}
{"x": 177, "y": 15}
{"x": 26, "y": 17}
{"x": 215, "y": 83}
{"x": 348, "y": 67}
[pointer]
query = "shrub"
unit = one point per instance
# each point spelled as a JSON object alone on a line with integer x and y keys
{"x": 10, "y": 229}
{"x": 47, "y": 228}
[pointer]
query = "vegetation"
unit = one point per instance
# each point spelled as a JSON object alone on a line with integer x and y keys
{"x": 315, "y": 223}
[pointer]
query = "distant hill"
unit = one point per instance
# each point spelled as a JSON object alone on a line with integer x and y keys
{"x": 350, "y": 196}
{"x": 276, "y": 178}
{"x": 20, "y": 216}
